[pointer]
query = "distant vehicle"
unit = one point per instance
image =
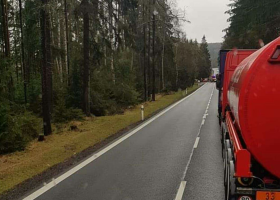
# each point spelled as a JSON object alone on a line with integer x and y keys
{"x": 249, "y": 118}
{"x": 213, "y": 79}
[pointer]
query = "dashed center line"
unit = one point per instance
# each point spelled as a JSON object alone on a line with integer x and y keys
{"x": 181, "y": 189}
{"x": 196, "y": 143}
{"x": 203, "y": 121}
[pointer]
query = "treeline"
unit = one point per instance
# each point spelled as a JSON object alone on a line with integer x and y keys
{"x": 252, "y": 23}
{"x": 63, "y": 59}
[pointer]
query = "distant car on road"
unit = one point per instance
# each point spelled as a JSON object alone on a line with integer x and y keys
{"x": 213, "y": 79}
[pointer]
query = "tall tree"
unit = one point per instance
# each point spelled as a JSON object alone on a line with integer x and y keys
{"x": 205, "y": 60}
{"x": 85, "y": 10}
{"x": 144, "y": 50}
{"x": 67, "y": 39}
{"x": 97, "y": 56}
{"x": 23, "y": 53}
{"x": 5, "y": 27}
{"x": 46, "y": 68}
{"x": 251, "y": 22}
{"x": 154, "y": 53}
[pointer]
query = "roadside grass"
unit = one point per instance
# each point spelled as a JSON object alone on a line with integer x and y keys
{"x": 39, "y": 156}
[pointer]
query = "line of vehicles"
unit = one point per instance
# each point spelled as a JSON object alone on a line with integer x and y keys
{"x": 249, "y": 117}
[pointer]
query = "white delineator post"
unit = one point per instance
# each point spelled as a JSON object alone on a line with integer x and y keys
{"x": 142, "y": 112}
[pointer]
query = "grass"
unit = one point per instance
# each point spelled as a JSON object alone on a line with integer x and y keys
{"x": 38, "y": 157}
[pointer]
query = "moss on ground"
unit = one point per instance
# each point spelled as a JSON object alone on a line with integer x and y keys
{"x": 38, "y": 157}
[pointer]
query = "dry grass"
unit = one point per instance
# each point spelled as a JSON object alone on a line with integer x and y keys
{"x": 20, "y": 166}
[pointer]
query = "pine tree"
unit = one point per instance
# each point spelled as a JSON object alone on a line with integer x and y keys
{"x": 205, "y": 60}
{"x": 46, "y": 68}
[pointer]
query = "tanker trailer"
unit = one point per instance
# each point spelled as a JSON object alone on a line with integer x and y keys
{"x": 251, "y": 128}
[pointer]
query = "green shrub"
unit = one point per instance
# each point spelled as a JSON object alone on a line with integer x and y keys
{"x": 99, "y": 104}
{"x": 126, "y": 95}
{"x": 17, "y": 128}
{"x": 63, "y": 114}
{"x": 108, "y": 97}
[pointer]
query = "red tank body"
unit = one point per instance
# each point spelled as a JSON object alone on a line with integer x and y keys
{"x": 254, "y": 99}
{"x": 234, "y": 58}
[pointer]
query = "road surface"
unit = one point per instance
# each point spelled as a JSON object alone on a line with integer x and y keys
{"x": 174, "y": 156}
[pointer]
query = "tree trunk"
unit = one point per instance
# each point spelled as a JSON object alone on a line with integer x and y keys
{"x": 66, "y": 42}
{"x": 86, "y": 62}
{"x": 149, "y": 52}
{"x": 5, "y": 28}
{"x": 176, "y": 65}
{"x": 15, "y": 48}
{"x": 110, "y": 9}
{"x": 162, "y": 63}
{"x": 60, "y": 46}
{"x": 22, "y": 53}
{"x": 46, "y": 69}
{"x": 144, "y": 54}
{"x": 154, "y": 63}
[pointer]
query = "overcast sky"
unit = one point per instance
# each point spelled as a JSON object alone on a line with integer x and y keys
{"x": 207, "y": 17}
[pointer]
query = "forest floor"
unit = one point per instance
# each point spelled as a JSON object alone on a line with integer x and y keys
{"x": 65, "y": 145}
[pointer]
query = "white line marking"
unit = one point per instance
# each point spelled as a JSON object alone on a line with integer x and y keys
{"x": 190, "y": 158}
{"x": 181, "y": 190}
{"x": 203, "y": 121}
{"x": 196, "y": 143}
{"x": 50, "y": 185}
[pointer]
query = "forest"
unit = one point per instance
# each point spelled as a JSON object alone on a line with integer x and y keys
{"x": 252, "y": 23}
{"x": 67, "y": 59}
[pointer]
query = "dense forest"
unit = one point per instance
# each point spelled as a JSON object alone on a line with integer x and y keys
{"x": 67, "y": 59}
{"x": 252, "y": 23}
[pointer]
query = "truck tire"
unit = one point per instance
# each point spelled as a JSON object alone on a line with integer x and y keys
{"x": 231, "y": 186}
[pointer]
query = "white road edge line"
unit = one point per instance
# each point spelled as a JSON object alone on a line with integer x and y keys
{"x": 196, "y": 143}
{"x": 64, "y": 176}
{"x": 191, "y": 155}
{"x": 181, "y": 190}
{"x": 203, "y": 121}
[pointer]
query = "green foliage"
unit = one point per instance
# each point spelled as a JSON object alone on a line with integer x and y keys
{"x": 109, "y": 98}
{"x": 204, "y": 60}
{"x": 125, "y": 95}
{"x": 188, "y": 61}
{"x": 251, "y": 21}
{"x": 34, "y": 95}
{"x": 17, "y": 127}
{"x": 115, "y": 65}
{"x": 74, "y": 91}
{"x": 62, "y": 113}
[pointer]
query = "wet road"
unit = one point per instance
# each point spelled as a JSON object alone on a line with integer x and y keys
{"x": 175, "y": 155}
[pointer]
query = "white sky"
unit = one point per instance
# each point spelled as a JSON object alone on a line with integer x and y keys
{"x": 207, "y": 18}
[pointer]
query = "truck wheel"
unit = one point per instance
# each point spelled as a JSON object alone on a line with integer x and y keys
{"x": 225, "y": 169}
{"x": 231, "y": 187}
{"x": 229, "y": 155}
{"x": 226, "y": 146}
{"x": 222, "y": 141}
{"x": 226, "y": 160}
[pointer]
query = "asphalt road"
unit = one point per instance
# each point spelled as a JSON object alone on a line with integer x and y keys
{"x": 162, "y": 161}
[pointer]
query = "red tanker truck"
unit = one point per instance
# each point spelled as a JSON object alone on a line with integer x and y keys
{"x": 250, "y": 126}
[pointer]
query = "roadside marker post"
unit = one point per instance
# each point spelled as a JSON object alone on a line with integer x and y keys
{"x": 142, "y": 112}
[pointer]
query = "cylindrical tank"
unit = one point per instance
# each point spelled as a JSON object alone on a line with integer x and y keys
{"x": 254, "y": 98}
